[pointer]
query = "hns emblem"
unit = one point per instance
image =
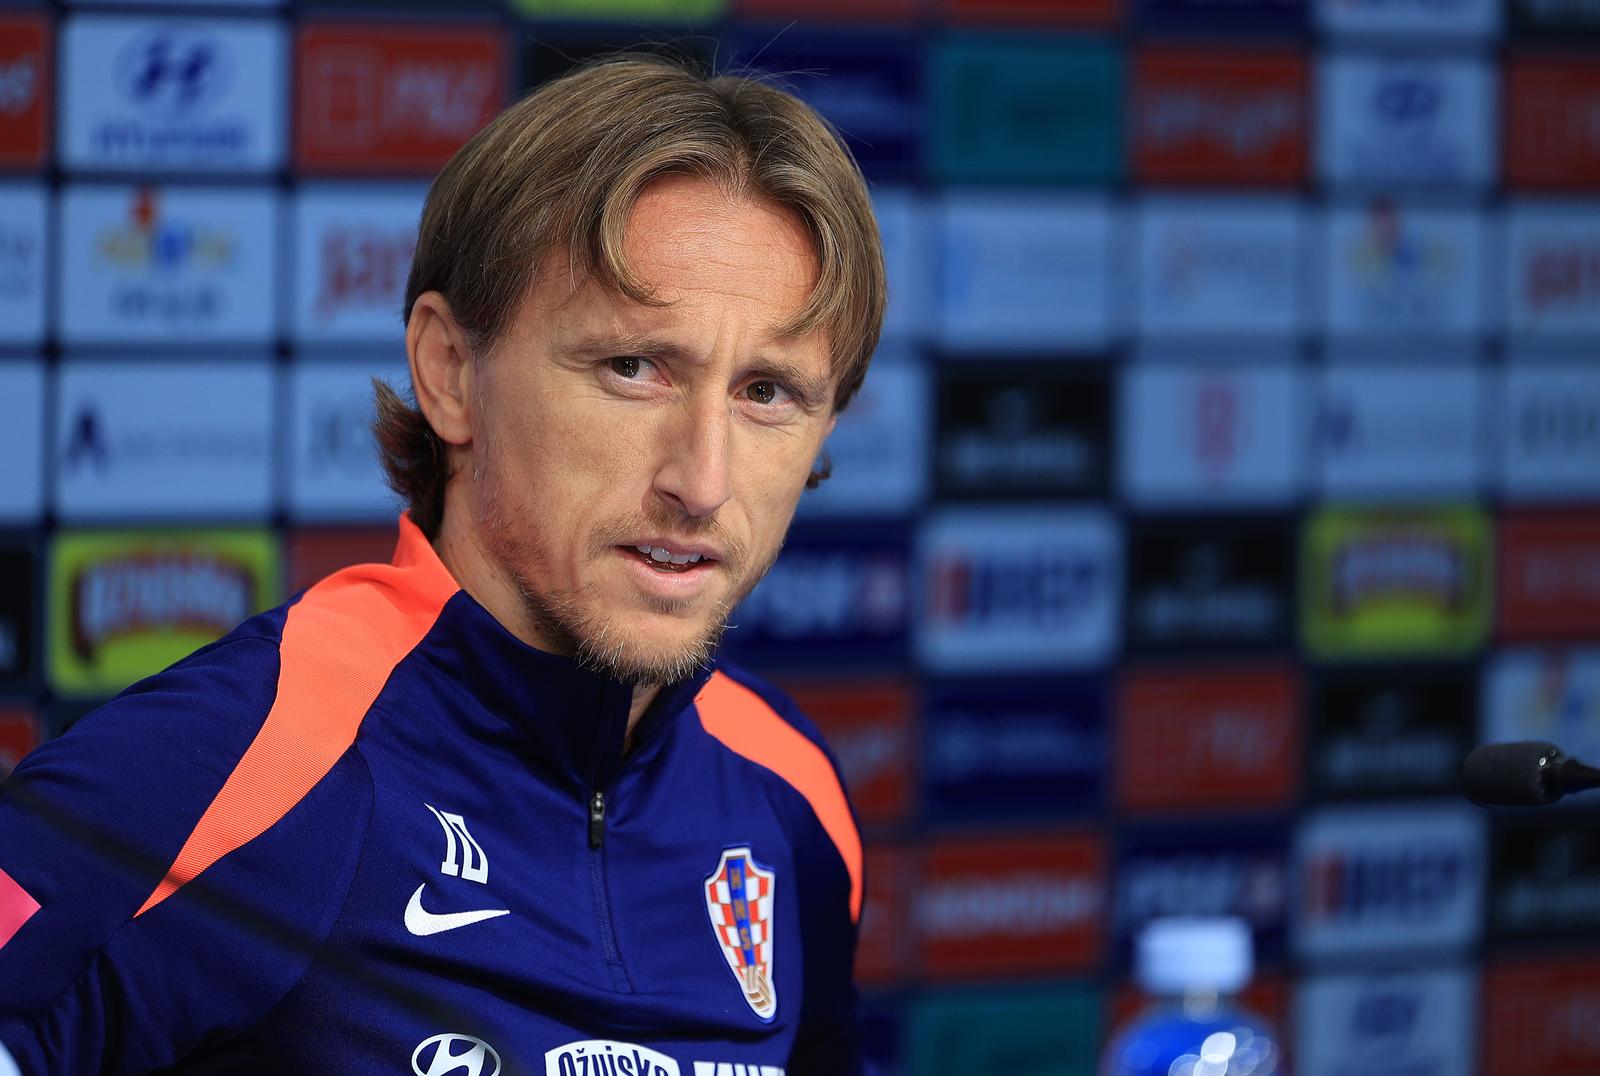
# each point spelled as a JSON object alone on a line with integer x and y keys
{"x": 739, "y": 901}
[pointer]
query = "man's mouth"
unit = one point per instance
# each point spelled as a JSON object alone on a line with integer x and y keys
{"x": 665, "y": 560}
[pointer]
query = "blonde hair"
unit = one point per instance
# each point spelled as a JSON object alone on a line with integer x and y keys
{"x": 562, "y": 169}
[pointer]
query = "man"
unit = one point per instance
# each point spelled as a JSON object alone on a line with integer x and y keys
{"x": 489, "y": 808}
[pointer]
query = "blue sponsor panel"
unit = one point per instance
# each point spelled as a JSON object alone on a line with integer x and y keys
{"x": 1014, "y": 746}
{"x": 1546, "y": 876}
{"x": 867, "y": 83}
{"x": 1237, "y": 869}
{"x": 879, "y": 449}
{"x": 1400, "y": 1023}
{"x": 838, "y": 596}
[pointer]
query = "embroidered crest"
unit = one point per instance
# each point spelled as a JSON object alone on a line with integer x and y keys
{"x": 739, "y": 901}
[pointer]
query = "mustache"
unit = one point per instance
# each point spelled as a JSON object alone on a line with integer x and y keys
{"x": 661, "y": 519}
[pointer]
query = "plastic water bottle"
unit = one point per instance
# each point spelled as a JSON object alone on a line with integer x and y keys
{"x": 1190, "y": 969}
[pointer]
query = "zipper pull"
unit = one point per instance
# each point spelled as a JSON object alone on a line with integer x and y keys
{"x": 597, "y": 819}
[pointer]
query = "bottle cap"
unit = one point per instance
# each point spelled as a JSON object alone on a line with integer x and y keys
{"x": 1180, "y": 956}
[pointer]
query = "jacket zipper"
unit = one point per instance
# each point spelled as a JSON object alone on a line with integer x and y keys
{"x": 597, "y": 874}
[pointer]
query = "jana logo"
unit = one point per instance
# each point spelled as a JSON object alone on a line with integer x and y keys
{"x": 448, "y": 1055}
{"x": 1406, "y": 99}
{"x": 172, "y": 72}
{"x": 1386, "y": 252}
{"x": 153, "y": 241}
{"x": 600, "y": 1057}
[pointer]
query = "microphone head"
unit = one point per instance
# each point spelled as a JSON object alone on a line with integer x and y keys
{"x": 1512, "y": 774}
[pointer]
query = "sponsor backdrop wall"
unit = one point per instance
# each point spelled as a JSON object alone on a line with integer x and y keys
{"x": 1230, "y": 468}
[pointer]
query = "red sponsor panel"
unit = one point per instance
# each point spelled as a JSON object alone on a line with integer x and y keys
{"x": 25, "y": 81}
{"x": 819, "y": 10}
{"x": 19, "y": 734}
{"x": 997, "y": 905}
{"x": 1542, "y": 1016}
{"x": 1552, "y": 122}
{"x": 1059, "y": 12}
{"x": 1219, "y": 115}
{"x": 375, "y": 98}
{"x": 868, "y": 726}
{"x": 1191, "y": 739}
{"x": 884, "y": 945}
{"x": 1550, "y": 575}
{"x": 314, "y": 554}
{"x": 1266, "y": 996}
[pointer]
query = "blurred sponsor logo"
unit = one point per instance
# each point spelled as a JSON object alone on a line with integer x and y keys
{"x": 868, "y": 724}
{"x": 1545, "y": 695}
{"x": 1037, "y": 1029}
{"x": 376, "y": 98}
{"x": 1004, "y": 904}
{"x": 1235, "y": 871}
{"x": 25, "y": 51}
{"x": 19, "y": 734}
{"x": 1036, "y": 746}
{"x": 1025, "y": 431}
{"x": 1025, "y": 273}
{"x": 22, "y": 415}
{"x": 1219, "y": 266}
{"x": 1207, "y": 584}
{"x": 1400, "y": 432}
{"x": 311, "y": 554}
{"x": 1436, "y": 19}
{"x": 1380, "y": 582}
{"x": 124, "y": 605}
{"x": 1554, "y": 270}
{"x": 1413, "y": 119}
{"x": 833, "y": 596}
{"x": 879, "y": 450}
{"x": 1211, "y": 435}
{"x": 883, "y": 948}
{"x": 1552, "y": 432}
{"x": 1377, "y": 879}
{"x": 1413, "y": 1023}
{"x": 904, "y": 225}
{"x": 1552, "y": 123}
{"x": 173, "y": 94}
{"x": 1223, "y": 739}
{"x": 1036, "y": 107}
{"x": 353, "y": 251}
{"x": 22, "y": 260}
{"x": 334, "y": 470}
{"x": 1019, "y": 589}
{"x": 1211, "y": 115}
{"x": 1388, "y": 732}
{"x": 1404, "y": 270}
{"x": 1542, "y": 1015}
{"x": 162, "y": 438}
{"x": 181, "y": 266}
{"x": 19, "y": 615}
{"x": 1546, "y": 876}
{"x": 1549, "y": 577}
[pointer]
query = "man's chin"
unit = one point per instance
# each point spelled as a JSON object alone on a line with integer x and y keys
{"x": 649, "y": 648}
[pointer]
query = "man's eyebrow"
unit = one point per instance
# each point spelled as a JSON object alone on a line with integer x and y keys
{"x": 811, "y": 391}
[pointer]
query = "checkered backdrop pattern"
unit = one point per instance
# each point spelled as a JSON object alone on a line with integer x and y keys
{"x": 1230, "y": 467}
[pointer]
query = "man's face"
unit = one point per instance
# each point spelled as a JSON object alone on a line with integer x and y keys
{"x": 637, "y": 467}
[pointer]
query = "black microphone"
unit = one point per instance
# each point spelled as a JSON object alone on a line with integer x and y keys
{"x": 1523, "y": 774}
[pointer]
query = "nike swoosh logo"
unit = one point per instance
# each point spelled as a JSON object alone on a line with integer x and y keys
{"x": 422, "y": 922}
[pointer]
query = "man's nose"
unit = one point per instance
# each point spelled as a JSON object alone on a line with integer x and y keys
{"x": 695, "y": 473}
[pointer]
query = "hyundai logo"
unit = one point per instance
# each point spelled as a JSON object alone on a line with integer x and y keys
{"x": 172, "y": 72}
{"x": 449, "y": 1054}
{"x": 1407, "y": 99}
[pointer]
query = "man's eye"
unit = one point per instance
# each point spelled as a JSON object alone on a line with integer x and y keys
{"x": 628, "y": 366}
{"x": 766, "y": 392}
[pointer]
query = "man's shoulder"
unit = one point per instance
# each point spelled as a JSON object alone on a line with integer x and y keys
{"x": 740, "y": 693}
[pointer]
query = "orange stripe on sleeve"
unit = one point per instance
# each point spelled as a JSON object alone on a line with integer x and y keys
{"x": 340, "y": 643}
{"x": 746, "y": 725}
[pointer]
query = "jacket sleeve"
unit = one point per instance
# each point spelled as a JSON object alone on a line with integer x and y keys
{"x": 95, "y": 976}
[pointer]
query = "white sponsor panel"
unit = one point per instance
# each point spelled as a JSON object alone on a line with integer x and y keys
{"x": 1552, "y": 272}
{"x": 1383, "y": 878}
{"x": 353, "y": 247}
{"x": 1550, "y": 432}
{"x": 1431, "y": 19}
{"x": 146, "y": 440}
{"x": 167, "y": 265}
{"x": 1395, "y": 270}
{"x": 1403, "y": 1023}
{"x": 1406, "y": 119}
{"x": 903, "y": 224}
{"x": 167, "y": 94}
{"x": 1212, "y": 435}
{"x": 1212, "y": 266}
{"x": 879, "y": 449}
{"x": 334, "y": 473}
{"x": 21, "y": 440}
{"x": 23, "y": 244}
{"x": 1394, "y": 432}
{"x": 1026, "y": 273}
{"x": 1019, "y": 589}
{"x": 1550, "y": 694}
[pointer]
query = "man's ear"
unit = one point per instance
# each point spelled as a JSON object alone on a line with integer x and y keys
{"x": 441, "y": 368}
